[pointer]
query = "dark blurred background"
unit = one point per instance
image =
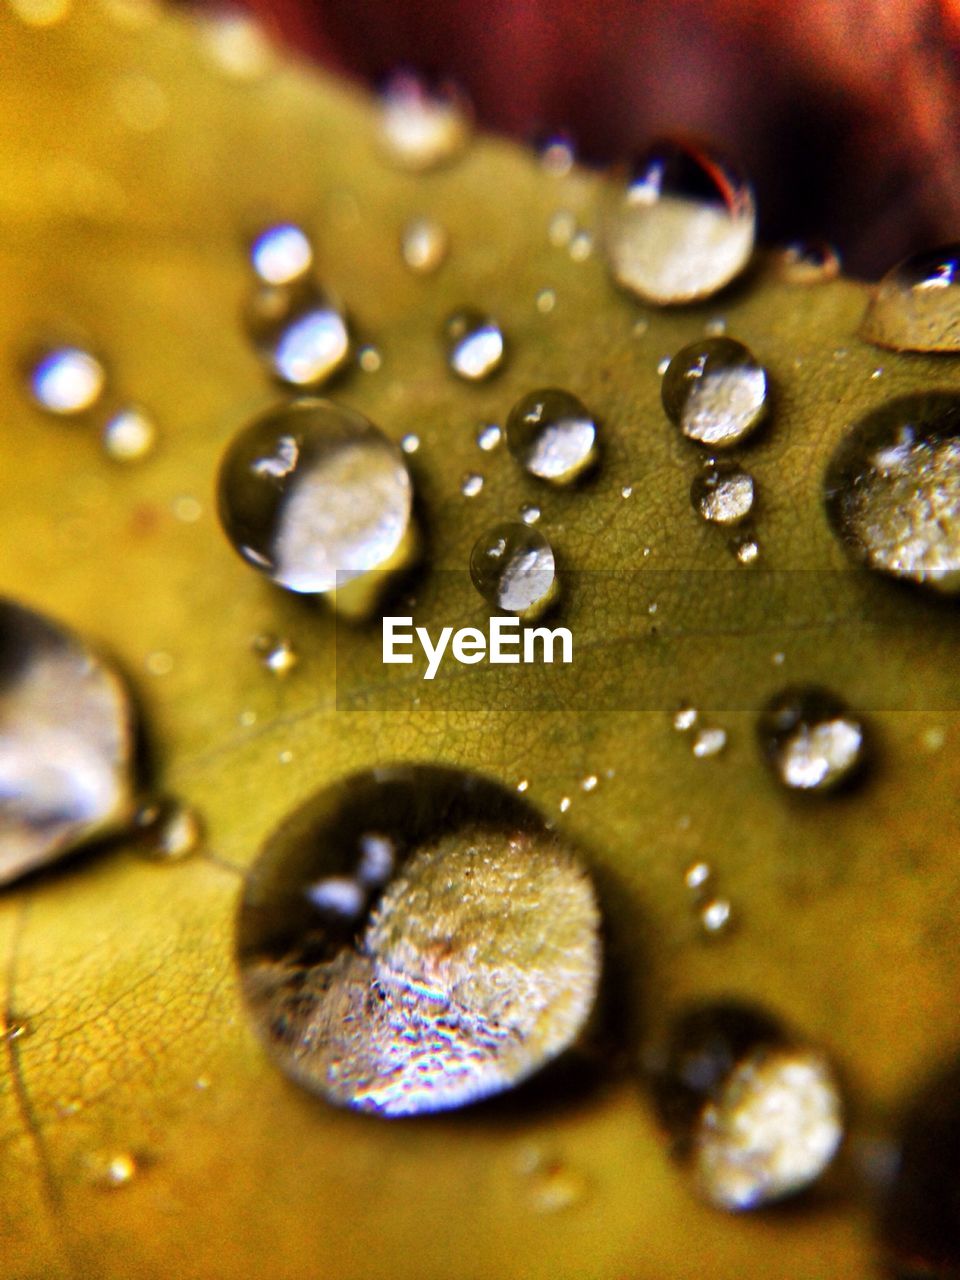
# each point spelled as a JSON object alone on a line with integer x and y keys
{"x": 846, "y": 113}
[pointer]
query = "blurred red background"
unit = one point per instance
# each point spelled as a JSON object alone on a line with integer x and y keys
{"x": 846, "y": 113}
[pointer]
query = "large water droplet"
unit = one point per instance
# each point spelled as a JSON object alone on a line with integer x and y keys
{"x": 299, "y": 334}
{"x": 281, "y": 254}
{"x": 892, "y": 489}
{"x": 67, "y": 381}
{"x": 722, "y": 494}
{"x": 552, "y": 435}
{"x": 715, "y": 392}
{"x": 683, "y": 227}
{"x": 66, "y": 743}
{"x": 916, "y": 306}
{"x": 513, "y": 567}
{"x": 758, "y": 1116}
{"x": 313, "y": 495}
{"x": 422, "y": 126}
{"x": 475, "y": 346}
{"x": 470, "y": 965}
{"x": 811, "y": 739}
{"x": 424, "y": 244}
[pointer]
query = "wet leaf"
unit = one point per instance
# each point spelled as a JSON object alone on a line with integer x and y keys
{"x": 143, "y": 1131}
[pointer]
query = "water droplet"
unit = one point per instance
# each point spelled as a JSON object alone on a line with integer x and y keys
{"x": 369, "y": 359}
{"x": 421, "y": 125}
{"x": 722, "y": 494}
{"x": 236, "y": 44}
{"x": 67, "y": 381}
{"x": 877, "y": 373}
{"x": 410, "y": 443}
{"x": 475, "y": 964}
{"x": 129, "y": 435}
{"x": 475, "y": 346}
{"x": 562, "y": 228}
{"x": 696, "y": 876}
{"x": 757, "y": 1116}
{"x": 715, "y": 916}
{"x": 564, "y": 805}
{"x": 489, "y": 436}
{"x": 546, "y": 301}
{"x": 747, "y": 552}
{"x": 715, "y": 328}
{"x": 808, "y": 262}
{"x": 173, "y": 830}
{"x": 626, "y": 491}
{"x": 529, "y": 513}
{"x": 276, "y": 654}
{"x": 715, "y": 392}
{"x": 300, "y": 336}
{"x": 682, "y": 228}
{"x": 554, "y": 1187}
{"x": 313, "y": 495}
{"x": 709, "y": 742}
{"x": 685, "y": 718}
{"x": 113, "y": 1170}
{"x": 932, "y": 738}
{"x": 811, "y": 739}
{"x": 14, "y": 1027}
{"x": 187, "y": 508}
{"x": 552, "y": 435}
{"x": 281, "y": 254}
{"x": 424, "y": 245}
{"x": 892, "y": 489}
{"x": 557, "y": 154}
{"x": 581, "y": 245}
{"x": 514, "y": 569}
{"x": 471, "y": 484}
{"x": 523, "y": 784}
{"x": 916, "y": 306}
{"x": 66, "y": 743}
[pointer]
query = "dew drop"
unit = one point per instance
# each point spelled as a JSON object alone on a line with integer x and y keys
{"x": 715, "y": 392}
{"x": 747, "y": 552}
{"x": 14, "y": 1027}
{"x": 546, "y": 301}
{"x": 581, "y": 245}
{"x": 410, "y": 443}
{"x": 300, "y": 336}
{"x": 523, "y": 784}
{"x": 722, "y": 494}
{"x": 422, "y": 126}
{"x": 489, "y": 436}
{"x": 112, "y": 1170}
{"x": 811, "y": 739}
{"x": 514, "y": 569}
{"x": 685, "y": 718}
{"x": 471, "y": 484}
{"x": 66, "y": 743}
{"x": 626, "y": 491}
{"x": 529, "y": 513}
{"x": 67, "y": 381}
{"x": 808, "y": 262}
{"x": 281, "y": 254}
{"x": 715, "y": 916}
{"x": 916, "y": 306}
{"x": 557, "y": 154}
{"x": 709, "y": 742}
{"x": 715, "y": 328}
{"x": 555, "y": 1188}
{"x": 561, "y": 229}
{"x": 552, "y": 435}
{"x": 589, "y": 783}
{"x": 475, "y": 346}
{"x": 313, "y": 495}
{"x": 129, "y": 435}
{"x": 683, "y": 226}
{"x": 892, "y": 490}
{"x": 173, "y": 830}
{"x": 424, "y": 244}
{"x": 755, "y": 1115}
{"x": 276, "y": 654}
{"x": 564, "y": 805}
{"x": 471, "y": 967}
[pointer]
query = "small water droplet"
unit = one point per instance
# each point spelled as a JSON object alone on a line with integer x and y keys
{"x": 299, "y": 334}
{"x": 173, "y": 830}
{"x": 747, "y": 552}
{"x": 581, "y": 245}
{"x": 369, "y": 359}
{"x": 471, "y": 484}
{"x": 15, "y": 1027}
{"x": 877, "y": 373}
{"x": 683, "y": 226}
{"x": 471, "y": 967}
{"x": 187, "y": 508}
{"x": 715, "y": 916}
{"x": 514, "y": 569}
{"x": 424, "y": 244}
{"x": 564, "y": 804}
{"x": 546, "y": 301}
{"x": 129, "y": 435}
{"x": 552, "y": 435}
{"x": 557, "y": 154}
{"x": 410, "y": 443}
{"x": 685, "y": 718}
{"x": 159, "y": 663}
{"x": 626, "y": 491}
{"x": 313, "y": 495}
{"x": 640, "y": 327}
{"x": 276, "y": 654}
{"x": 523, "y": 784}
{"x": 67, "y": 381}
{"x": 892, "y": 489}
{"x": 489, "y": 436}
{"x": 808, "y": 262}
{"x": 554, "y": 1188}
{"x": 715, "y": 328}
{"x": 562, "y": 228}
{"x": 916, "y": 306}
{"x": 529, "y": 513}
{"x": 281, "y": 254}
{"x": 422, "y": 125}
{"x": 709, "y": 742}
{"x": 715, "y": 392}
{"x": 247, "y": 718}
{"x": 811, "y": 739}
{"x": 66, "y": 747}
{"x": 722, "y": 494}
{"x": 697, "y": 875}
{"x": 112, "y": 1170}
{"x": 663, "y": 365}
{"x": 475, "y": 345}
{"x": 589, "y": 783}
{"x": 756, "y": 1115}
